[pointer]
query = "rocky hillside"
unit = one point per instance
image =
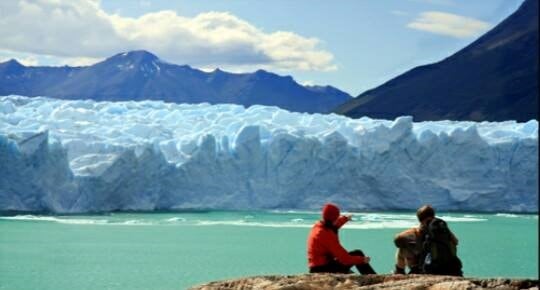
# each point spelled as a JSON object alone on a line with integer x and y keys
{"x": 353, "y": 282}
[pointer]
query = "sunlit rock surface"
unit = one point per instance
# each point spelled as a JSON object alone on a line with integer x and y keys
{"x": 357, "y": 282}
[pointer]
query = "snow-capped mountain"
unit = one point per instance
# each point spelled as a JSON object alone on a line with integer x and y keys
{"x": 140, "y": 75}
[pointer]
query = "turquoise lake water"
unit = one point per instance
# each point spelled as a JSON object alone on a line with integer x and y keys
{"x": 178, "y": 250}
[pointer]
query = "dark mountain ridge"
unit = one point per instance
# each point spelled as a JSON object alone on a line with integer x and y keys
{"x": 140, "y": 75}
{"x": 495, "y": 78}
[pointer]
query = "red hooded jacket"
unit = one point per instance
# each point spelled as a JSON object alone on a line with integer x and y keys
{"x": 323, "y": 245}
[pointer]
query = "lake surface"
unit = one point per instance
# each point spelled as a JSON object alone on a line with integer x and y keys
{"x": 178, "y": 250}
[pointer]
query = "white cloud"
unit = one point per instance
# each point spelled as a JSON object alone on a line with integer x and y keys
{"x": 80, "y": 29}
{"x": 24, "y": 58}
{"x": 32, "y": 59}
{"x": 307, "y": 83}
{"x": 448, "y": 24}
{"x": 27, "y": 61}
{"x": 79, "y": 61}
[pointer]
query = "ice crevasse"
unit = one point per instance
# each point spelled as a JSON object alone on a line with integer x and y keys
{"x": 84, "y": 156}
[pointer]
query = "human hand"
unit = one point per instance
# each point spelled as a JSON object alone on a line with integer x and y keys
{"x": 367, "y": 259}
{"x": 348, "y": 216}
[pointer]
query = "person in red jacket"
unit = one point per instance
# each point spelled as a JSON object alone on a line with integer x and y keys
{"x": 325, "y": 253}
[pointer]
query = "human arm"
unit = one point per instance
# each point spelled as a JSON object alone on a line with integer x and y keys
{"x": 406, "y": 238}
{"x": 341, "y": 255}
{"x": 342, "y": 220}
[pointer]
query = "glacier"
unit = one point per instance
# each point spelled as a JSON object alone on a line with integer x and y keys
{"x": 86, "y": 156}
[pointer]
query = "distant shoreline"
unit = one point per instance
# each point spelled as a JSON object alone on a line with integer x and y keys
{"x": 206, "y": 210}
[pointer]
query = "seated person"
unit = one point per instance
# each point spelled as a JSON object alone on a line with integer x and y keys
{"x": 325, "y": 253}
{"x": 415, "y": 244}
{"x": 409, "y": 252}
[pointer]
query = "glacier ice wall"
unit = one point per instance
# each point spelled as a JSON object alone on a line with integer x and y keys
{"x": 82, "y": 156}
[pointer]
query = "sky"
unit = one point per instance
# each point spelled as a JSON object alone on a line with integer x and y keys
{"x": 354, "y": 45}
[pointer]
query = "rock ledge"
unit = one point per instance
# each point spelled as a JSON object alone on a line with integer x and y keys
{"x": 352, "y": 281}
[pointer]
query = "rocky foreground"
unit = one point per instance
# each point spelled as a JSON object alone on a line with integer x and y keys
{"x": 342, "y": 281}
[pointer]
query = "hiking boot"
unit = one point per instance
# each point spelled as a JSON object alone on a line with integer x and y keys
{"x": 415, "y": 270}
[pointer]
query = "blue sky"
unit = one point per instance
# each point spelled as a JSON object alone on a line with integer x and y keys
{"x": 353, "y": 45}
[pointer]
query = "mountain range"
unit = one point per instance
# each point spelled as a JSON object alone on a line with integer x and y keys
{"x": 140, "y": 75}
{"x": 495, "y": 78}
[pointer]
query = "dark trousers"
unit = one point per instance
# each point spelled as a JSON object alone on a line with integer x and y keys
{"x": 450, "y": 268}
{"x": 336, "y": 267}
